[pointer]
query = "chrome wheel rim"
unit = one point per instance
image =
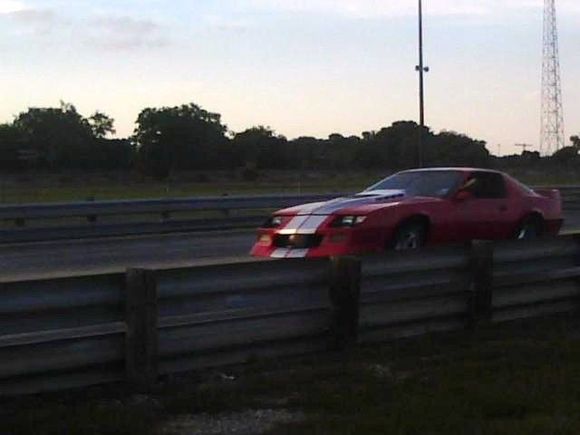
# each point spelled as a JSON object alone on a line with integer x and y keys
{"x": 527, "y": 232}
{"x": 407, "y": 240}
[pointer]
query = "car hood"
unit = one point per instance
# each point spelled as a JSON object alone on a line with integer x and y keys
{"x": 335, "y": 205}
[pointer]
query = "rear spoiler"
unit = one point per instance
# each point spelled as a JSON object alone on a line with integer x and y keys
{"x": 549, "y": 193}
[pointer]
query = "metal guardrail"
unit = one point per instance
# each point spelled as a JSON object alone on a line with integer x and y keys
{"x": 153, "y": 206}
{"x": 32, "y": 222}
{"x": 35, "y": 222}
{"x": 69, "y": 332}
{"x": 90, "y": 209}
{"x": 570, "y": 197}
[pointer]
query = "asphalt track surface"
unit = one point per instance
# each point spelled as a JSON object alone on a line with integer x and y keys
{"x": 40, "y": 259}
{"x": 77, "y": 257}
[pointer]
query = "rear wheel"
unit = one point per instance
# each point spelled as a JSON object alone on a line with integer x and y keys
{"x": 531, "y": 228}
{"x": 409, "y": 236}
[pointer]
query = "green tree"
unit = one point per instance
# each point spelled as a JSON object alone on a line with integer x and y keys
{"x": 340, "y": 151}
{"x": 61, "y": 136}
{"x": 183, "y": 137}
{"x": 450, "y": 148}
{"x": 308, "y": 152}
{"x": 566, "y": 155}
{"x": 261, "y": 148}
{"x": 12, "y": 142}
{"x": 393, "y": 147}
{"x": 575, "y": 141}
{"x": 101, "y": 125}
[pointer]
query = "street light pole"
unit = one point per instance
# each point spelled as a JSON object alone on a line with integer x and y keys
{"x": 421, "y": 68}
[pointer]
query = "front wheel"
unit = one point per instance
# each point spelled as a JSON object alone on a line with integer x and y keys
{"x": 409, "y": 236}
{"x": 530, "y": 229}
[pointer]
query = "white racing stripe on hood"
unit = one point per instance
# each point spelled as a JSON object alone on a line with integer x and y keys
{"x": 365, "y": 198}
{"x": 387, "y": 193}
{"x": 311, "y": 217}
{"x": 312, "y": 224}
{"x": 292, "y": 226}
{"x": 309, "y": 208}
{"x": 307, "y": 225}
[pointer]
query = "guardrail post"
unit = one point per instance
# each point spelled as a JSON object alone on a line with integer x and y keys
{"x": 480, "y": 266}
{"x": 344, "y": 296}
{"x": 92, "y": 218}
{"x": 576, "y": 238}
{"x": 141, "y": 341}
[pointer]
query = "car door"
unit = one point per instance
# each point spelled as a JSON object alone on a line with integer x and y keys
{"x": 486, "y": 214}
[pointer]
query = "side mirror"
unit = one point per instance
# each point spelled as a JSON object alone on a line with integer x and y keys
{"x": 463, "y": 195}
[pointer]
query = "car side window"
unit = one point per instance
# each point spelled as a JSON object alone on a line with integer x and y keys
{"x": 487, "y": 185}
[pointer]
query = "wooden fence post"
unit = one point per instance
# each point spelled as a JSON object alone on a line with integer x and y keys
{"x": 141, "y": 341}
{"x": 344, "y": 296}
{"x": 576, "y": 238}
{"x": 480, "y": 271}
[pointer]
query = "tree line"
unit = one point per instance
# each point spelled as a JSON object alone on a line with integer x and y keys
{"x": 187, "y": 137}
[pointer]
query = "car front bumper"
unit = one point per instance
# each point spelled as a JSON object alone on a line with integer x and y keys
{"x": 326, "y": 243}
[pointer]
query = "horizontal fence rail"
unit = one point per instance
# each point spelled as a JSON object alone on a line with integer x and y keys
{"x": 31, "y": 222}
{"x": 570, "y": 197}
{"x": 104, "y": 208}
{"x": 37, "y": 222}
{"x": 77, "y": 331}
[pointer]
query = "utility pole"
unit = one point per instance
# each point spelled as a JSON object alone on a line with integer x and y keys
{"x": 421, "y": 68}
{"x": 523, "y": 146}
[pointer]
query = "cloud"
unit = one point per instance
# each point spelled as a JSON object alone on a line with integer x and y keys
{"x": 34, "y": 21}
{"x": 372, "y": 8}
{"x": 226, "y": 24}
{"x": 33, "y": 16}
{"x": 125, "y": 33}
{"x": 114, "y": 33}
{"x": 571, "y": 6}
{"x": 116, "y": 25}
{"x": 11, "y": 6}
{"x": 393, "y": 8}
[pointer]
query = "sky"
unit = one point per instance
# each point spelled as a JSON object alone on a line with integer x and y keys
{"x": 302, "y": 67}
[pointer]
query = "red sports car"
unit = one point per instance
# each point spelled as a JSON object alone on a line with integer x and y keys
{"x": 410, "y": 209}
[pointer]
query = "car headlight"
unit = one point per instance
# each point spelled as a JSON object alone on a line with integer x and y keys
{"x": 348, "y": 221}
{"x": 273, "y": 222}
{"x": 264, "y": 239}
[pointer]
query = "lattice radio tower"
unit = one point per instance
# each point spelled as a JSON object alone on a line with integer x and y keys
{"x": 552, "y": 134}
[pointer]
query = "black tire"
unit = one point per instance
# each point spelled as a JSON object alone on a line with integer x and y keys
{"x": 410, "y": 235}
{"x": 531, "y": 228}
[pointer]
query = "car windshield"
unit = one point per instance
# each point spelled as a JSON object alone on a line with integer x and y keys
{"x": 421, "y": 183}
